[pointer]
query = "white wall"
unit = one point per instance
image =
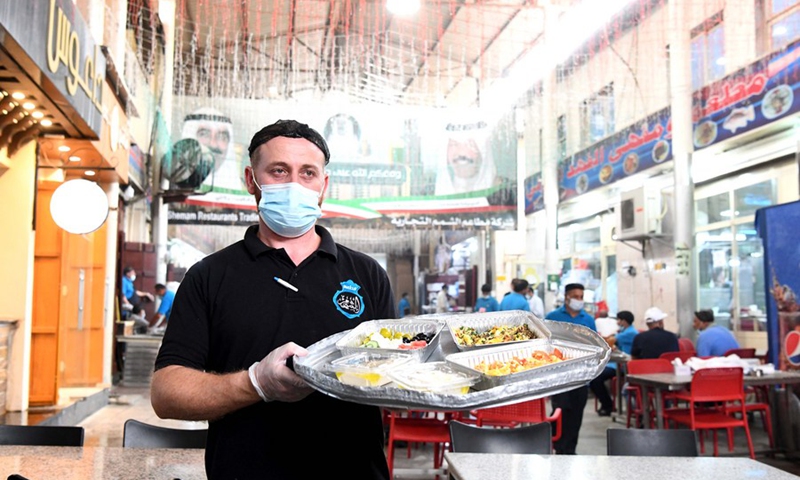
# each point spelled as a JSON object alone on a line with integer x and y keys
{"x": 17, "y": 191}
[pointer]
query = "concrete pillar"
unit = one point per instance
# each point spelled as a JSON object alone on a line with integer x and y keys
{"x": 681, "y": 100}
{"x": 166, "y": 12}
{"x": 550, "y": 163}
{"x": 112, "y": 228}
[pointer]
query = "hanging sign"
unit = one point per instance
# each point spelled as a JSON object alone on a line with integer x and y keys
{"x": 756, "y": 95}
{"x": 642, "y": 145}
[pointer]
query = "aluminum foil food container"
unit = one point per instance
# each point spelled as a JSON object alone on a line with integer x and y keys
{"x": 367, "y": 369}
{"x": 351, "y": 342}
{"x": 572, "y": 352}
{"x": 436, "y": 377}
{"x": 548, "y": 382}
{"x": 485, "y": 321}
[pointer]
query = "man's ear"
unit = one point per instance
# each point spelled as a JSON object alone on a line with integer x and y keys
{"x": 252, "y": 188}
{"x": 324, "y": 189}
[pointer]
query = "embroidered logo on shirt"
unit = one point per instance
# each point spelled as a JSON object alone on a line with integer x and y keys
{"x": 348, "y": 301}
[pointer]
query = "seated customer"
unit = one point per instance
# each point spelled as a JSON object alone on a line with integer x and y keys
{"x": 624, "y": 339}
{"x": 713, "y": 340}
{"x": 656, "y": 340}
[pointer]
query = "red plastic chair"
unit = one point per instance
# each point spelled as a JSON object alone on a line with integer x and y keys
{"x": 683, "y": 355}
{"x": 421, "y": 430}
{"x": 532, "y": 411}
{"x": 685, "y": 345}
{"x": 720, "y": 385}
{"x": 741, "y": 352}
{"x": 641, "y": 367}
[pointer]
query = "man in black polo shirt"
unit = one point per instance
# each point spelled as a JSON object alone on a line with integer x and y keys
{"x": 241, "y": 312}
{"x": 656, "y": 340}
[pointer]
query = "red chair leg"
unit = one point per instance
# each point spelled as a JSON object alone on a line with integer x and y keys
{"x": 390, "y": 457}
{"x": 716, "y": 450}
{"x": 730, "y": 439}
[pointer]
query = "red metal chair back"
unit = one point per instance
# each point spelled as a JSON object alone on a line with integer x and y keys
{"x": 649, "y": 365}
{"x": 685, "y": 345}
{"x": 742, "y": 352}
{"x": 532, "y": 411}
{"x": 718, "y": 385}
{"x": 670, "y": 356}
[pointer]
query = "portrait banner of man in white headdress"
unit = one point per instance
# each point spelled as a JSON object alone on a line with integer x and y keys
{"x": 468, "y": 165}
{"x": 214, "y": 129}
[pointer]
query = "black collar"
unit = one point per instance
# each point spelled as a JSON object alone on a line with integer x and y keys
{"x": 256, "y": 247}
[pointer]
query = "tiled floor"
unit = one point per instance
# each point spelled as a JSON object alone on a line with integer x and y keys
{"x": 105, "y": 428}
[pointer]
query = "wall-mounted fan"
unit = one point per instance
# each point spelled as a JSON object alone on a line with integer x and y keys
{"x": 187, "y": 164}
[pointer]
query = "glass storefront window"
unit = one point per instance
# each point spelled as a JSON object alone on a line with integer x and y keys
{"x": 749, "y": 268}
{"x": 715, "y": 289}
{"x": 748, "y": 199}
{"x": 730, "y": 268}
{"x": 713, "y": 209}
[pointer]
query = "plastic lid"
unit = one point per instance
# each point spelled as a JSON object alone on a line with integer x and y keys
{"x": 368, "y": 362}
{"x": 432, "y": 377}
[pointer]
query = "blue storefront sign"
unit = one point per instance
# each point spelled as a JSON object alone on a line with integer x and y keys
{"x": 756, "y": 95}
{"x": 534, "y": 193}
{"x": 643, "y": 145}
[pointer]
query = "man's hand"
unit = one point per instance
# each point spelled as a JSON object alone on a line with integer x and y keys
{"x": 276, "y": 380}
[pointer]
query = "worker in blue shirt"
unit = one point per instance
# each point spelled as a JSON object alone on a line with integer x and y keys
{"x": 516, "y": 299}
{"x": 165, "y": 307}
{"x": 626, "y": 331}
{"x": 572, "y": 402}
{"x": 486, "y": 303}
{"x": 623, "y": 340}
{"x": 403, "y": 306}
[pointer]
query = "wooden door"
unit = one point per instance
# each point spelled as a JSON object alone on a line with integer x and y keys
{"x": 68, "y": 308}
{"x": 46, "y": 304}
{"x": 82, "y": 308}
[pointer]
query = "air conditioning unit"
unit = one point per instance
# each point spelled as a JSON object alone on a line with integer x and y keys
{"x": 639, "y": 214}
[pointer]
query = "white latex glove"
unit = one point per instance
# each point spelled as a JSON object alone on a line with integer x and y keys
{"x": 273, "y": 380}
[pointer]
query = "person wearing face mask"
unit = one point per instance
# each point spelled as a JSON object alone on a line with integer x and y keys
{"x": 573, "y": 402}
{"x": 535, "y": 303}
{"x": 243, "y": 311}
{"x": 486, "y": 302}
{"x": 131, "y": 298}
{"x": 627, "y": 332}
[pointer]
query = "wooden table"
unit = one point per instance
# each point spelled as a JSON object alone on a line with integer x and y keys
{"x": 659, "y": 382}
{"x": 84, "y": 463}
{"x": 492, "y": 466}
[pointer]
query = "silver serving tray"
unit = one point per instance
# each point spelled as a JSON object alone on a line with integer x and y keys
{"x": 351, "y": 342}
{"x": 484, "y": 321}
{"x": 550, "y": 382}
{"x": 573, "y": 353}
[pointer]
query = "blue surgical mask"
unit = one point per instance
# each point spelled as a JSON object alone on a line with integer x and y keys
{"x": 289, "y": 209}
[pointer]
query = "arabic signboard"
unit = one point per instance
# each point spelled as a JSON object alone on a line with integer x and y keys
{"x": 756, "y": 95}
{"x": 641, "y": 146}
{"x": 390, "y": 167}
{"x": 55, "y": 36}
{"x": 534, "y": 193}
